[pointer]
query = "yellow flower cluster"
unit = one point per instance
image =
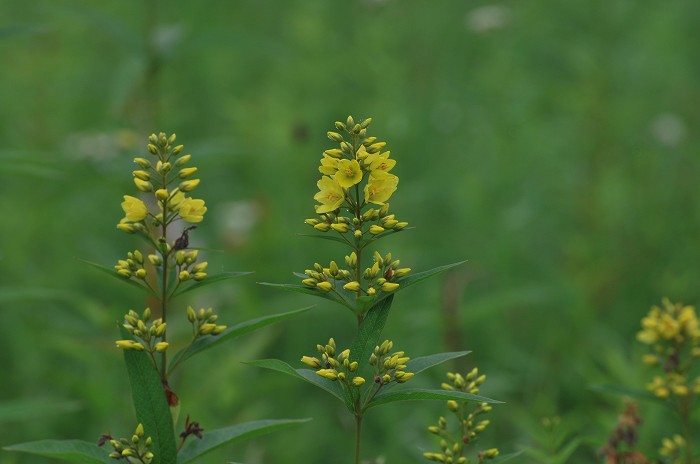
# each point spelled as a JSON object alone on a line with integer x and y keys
{"x": 204, "y": 322}
{"x": 380, "y": 277}
{"x": 173, "y": 203}
{"x": 343, "y": 170}
{"x": 337, "y": 366}
{"x": 148, "y": 336}
{"x": 673, "y": 333}
{"x": 136, "y": 449}
{"x": 452, "y": 447}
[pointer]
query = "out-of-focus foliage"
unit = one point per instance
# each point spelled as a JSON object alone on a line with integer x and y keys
{"x": 550, "y": 143}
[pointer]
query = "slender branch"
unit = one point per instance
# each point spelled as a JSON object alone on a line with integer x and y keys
{"x": 358, "y": 433}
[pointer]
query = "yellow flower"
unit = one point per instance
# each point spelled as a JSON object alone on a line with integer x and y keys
{"x": 174, "y": 202}
{"x": 192, "y": 210}
{"x": 349, "y": 173}
{"x": 134, "y": 208}
{"x": 382, "y": 163}
{"x": 380, "y": 187}
{"x": 329, "y": 165}
{"x": 331, "y": 195}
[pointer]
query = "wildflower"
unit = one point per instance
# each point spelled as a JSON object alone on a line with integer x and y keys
{"x": 329, "y": 165}
{"x": 134, "y": 209}
{"x": 382, "y": 163}
{"x": 380, "y": 187}
{"x": 349, "y": 173}
{"x": 331, "y": 195}
{"x": 192, "y": 210}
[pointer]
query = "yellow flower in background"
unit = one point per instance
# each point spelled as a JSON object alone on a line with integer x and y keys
{"x": 380, "y": 187}
{"x": 349, "y": 173}
{"x": 331, "y": 195}
{"x": 134, "y": 209}
{"x": 329, "y": 165}
{"x": 192, "y": 210}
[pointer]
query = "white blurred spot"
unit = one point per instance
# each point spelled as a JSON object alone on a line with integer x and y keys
{"x": 668, "y": 129}
{"x": 487, "y": 18}
{"x": 238, "y": 219}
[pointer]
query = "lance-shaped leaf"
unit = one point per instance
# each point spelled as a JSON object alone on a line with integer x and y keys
{"x": 369, "y": 331}
{"x": 152, "y": 409}
{"x": 235, "y": 331}
{"x": 308, "y": 375}
{"x": 208, "y": 280}
{"x": 67, "y": 450}
{"x": 121, "y": 278}
{"x": 419, "y": 276}
{"x": 422, "y": 363}
{"x": 421, "y": 394}
{"x": 311, "y": 291}
{"x": 327, "y": 237}
{"x": 213, "y": 439}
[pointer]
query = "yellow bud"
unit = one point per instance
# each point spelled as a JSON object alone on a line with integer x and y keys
{"x": 141, "y": 273}
{"x": 357, "y": 381}
{"x": 219, "y": 329}
{"x": 389, "y": 287}
{"x": 183, "y": 159}
{"x": 357, "y": 233}
{"x": 161, "y": 346}
{"x": 402, "y": 272}
{"x": 342, "y": 228}
{"x": 206, "y": 329}
{"x": 143, "y": 163}
{"x": 127, "y": 452}
{"x": 336, "y": 137}
{"x": 406, "y": 376}
{"x": 324, "y": 286}
{"x": 184, "y": 275}
{"x": 322, "y": 227}
{"x": 434, "y": 430}
{"x": 143, "y": 185}
{"x": 311, "y": 362}
{"x": 334, "y": 153}
{"x": 155, "y": 260}
{"x": 189, "y": 185}
{"x": 309, "y": 282}
{"x": 152, "y": 148}
{"x": 124, "y": 273}
{"x": 143, "y": 175}
{"x": 199, "y": 276}
{"x": 329, "y": 374}
{"x": 128, "y": 228}
{"x": 352, "y": 286}
{"x": 186, "y": 172}
{"x": 375, "y": 229}
{"x": 453, "y": 405}
{"x": 162, "y": 194}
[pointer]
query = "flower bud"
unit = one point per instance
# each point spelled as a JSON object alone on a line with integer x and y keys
{"x": 311, "y": 362}
{"x": 177, "y": 149}
{"x": 389, "y": 287}
{"x": 162, "y": 194}
{"x": 128, "y": 228}
{"x": 184, "y": 275}
{"x": 375, "y": 229}
{"x": 143, "y": 175}
{"x": 342, "y": 228}
{"x": 186, "y": 172}
{"x": 352, "y": 286}
{"x": 183, "y": 159}
{"x": 322, "y": 227}
{"x": 161, "y": 346}
{"x": 358, "y": 381}
{"x": 152, "y": 148}
{"x": 189, "y": 185}
{"x": 336, "y": 137}
{"x": 143, "y": 185}
{"x": 324, "y": 286}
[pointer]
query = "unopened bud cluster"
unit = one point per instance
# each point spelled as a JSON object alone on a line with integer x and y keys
{"x": 671, "y": 448}
{"x": 134, "y": 450}
{"x": 187, "y": 267}
{"x": 204, "y": 322}
{"x": 148, "y": 335}
{"x": 382, "y": 276}
{"x": 672, "y": 331}
{"x": 132, "y": 266}
{"x": 453, "y": 443}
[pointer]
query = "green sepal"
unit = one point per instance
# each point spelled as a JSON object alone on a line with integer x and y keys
{"x": 421, "y": 394}
{"x": 208, "y": 280}
{"x": 66, "y": 450}
{"x": 308, "y": 375}
{"x": 232, "y": 332}
{"x": 152, "y": 409}
{"x": 213, "y": 439}
{"x": 116, "y": 275}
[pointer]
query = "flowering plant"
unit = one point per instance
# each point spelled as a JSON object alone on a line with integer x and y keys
{"x": 357, "y": 180}
{"x": 164, "y": 270}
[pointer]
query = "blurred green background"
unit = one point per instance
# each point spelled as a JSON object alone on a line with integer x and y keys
{"x": 549, "y": 143}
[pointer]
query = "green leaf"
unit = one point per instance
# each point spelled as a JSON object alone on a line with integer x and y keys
{"x": 422, "y": 363}
{"x": 307, "y": 375}
{"x": 208, "y": 280}
{"x": 116, "y": 275}
{"x": 311, "y": 291}
{"x": 67, "y": 450}
{"x": 415, "y": 278}
{"x": 152, "y": 409}
{"x": 421, "y": 394}
{"x": 506, "y": 457}
{"x": 235, "y": 331}
{"x": 235, "y": 433}
{"x": 565, "y": 453}
{"x": 325, "y": 237}
{"x": 369, "y": 331}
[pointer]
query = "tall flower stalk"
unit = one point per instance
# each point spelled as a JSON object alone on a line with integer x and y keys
{"x": 357, "y": 180}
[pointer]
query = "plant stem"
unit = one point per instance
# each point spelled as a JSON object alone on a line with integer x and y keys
{"x": 358, "y": 430}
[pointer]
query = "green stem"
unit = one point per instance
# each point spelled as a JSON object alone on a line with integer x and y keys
{"x": 358, "y": 432}
{"x": 685, "y": 415}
